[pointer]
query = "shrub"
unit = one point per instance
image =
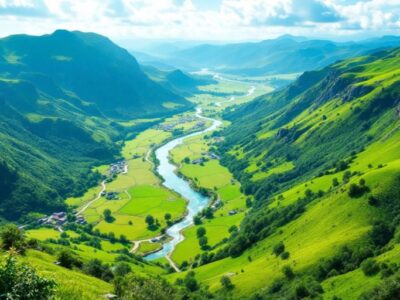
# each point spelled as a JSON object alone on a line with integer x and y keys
{"x": 201, "y": 231}
{"x": 370, "y": 267}
{"x": 121, "y": 269}
{"x": 285, "y": 255}
{"x": 381, "y": 234}
{"x": 20, "y": 281}
{"x": 288, "y": 272}
{"x": 144, "y": 288}
{"x": 226, "y": 283}
{"x": 278, "y": 249}
{"x": 12, "y": 237}
{"x": 107, "y": 216}
{"x": 68, "y": 259}
{"x": 356, "y": 191}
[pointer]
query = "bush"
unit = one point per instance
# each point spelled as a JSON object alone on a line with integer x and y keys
{"x": 285, "y": 255}
{"x": 68, "y": 259}
{"x": 95, "y": 268}
{"x": 288, "y": 272}
{"x": 370, "y": 267}
{"x": 389, "y": 289}
{"x": 20, "y": 281}
{"x": 121, "y": 269}
{"x": 201, "y": 231}
{"x": 356, "y": 191}
{"x": 144, "y": 288}
{"x": 12, "y": 237}
{"x": 278, "y": 249}
{"x": 381, "y": 234}
{"x": 226, "y": 283}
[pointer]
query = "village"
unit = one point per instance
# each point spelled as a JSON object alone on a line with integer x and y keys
{"x": 58, "y": 219}
{"x": 187, "y": 119}
{"x": 205, "y": 157}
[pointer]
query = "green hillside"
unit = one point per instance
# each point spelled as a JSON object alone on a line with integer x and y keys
{"x": 321, "y": 158}
{"x": 91, "y": 67}
{"x": 65, "y": 99}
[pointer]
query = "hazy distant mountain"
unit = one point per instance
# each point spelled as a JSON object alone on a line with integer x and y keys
{"x": 178, "y": 81}
{"x": 286, "y": 54}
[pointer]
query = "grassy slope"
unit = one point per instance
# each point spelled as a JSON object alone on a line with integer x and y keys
{"x": 335, "y": 219}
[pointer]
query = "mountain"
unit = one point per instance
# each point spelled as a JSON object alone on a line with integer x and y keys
{"x": 320, "y": 163}
{"x": 90, "y": 66}
{"x": 286, "y": 54}
{"x": 178, "y": 81}
{"x": 63, "y": 100}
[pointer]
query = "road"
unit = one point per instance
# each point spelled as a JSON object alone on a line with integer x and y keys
{"x": 103, "y": 188}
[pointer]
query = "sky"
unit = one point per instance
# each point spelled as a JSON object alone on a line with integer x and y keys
{"x": 218, "y": 20}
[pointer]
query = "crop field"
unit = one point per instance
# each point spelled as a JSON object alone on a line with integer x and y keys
{"x": 213, "y": 176}
{"x": 140, "y": 192}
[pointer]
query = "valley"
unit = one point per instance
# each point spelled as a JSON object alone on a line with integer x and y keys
{"x": 264, "y": 179}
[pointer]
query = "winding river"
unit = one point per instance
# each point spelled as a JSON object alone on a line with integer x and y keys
{"x": 195, "y": 201}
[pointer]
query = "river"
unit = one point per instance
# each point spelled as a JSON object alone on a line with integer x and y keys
{"x": 195, "y": 201}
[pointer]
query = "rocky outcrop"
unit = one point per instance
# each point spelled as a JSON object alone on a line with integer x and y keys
{"x": 356, "y": 91}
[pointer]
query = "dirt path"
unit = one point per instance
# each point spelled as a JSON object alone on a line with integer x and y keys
{"x": 147, "y": 158}
{"x": 103, "y": 188}
{"x": 172, "y": 263}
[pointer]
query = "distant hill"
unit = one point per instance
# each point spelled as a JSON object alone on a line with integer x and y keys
{"x": 62, "y": 97}
{"x": 178, "y": 81}
{"x": 287, "y": 54}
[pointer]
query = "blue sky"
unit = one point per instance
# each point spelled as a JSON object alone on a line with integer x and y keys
{"x": 226, "y": 20}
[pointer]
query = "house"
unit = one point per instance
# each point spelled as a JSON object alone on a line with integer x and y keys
{"x": 232, "y": 212}
{"x": 81, "y": 220}
{"x": 216, "y": 204}
{"x": 197, "y": 161}
{"x": 59, "y": 218}
{"x": 112, "y": 196}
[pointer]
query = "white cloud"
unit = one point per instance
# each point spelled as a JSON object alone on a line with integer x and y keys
{"x": 231, "y": 19}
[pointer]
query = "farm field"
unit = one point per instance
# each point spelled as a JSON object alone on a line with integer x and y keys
{"x": 210, "y": 175}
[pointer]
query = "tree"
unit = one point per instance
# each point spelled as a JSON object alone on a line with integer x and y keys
{"x": 278, "y": 249}
{"x": 107, "y": 216}
{"x": 67, "y": 259}
{"x": 203, "y": 242}
{"x": 233, "y": 229}
{"x": 144, "y": 288}
{"x": 95, "y": 268}
{"x": 12, "y": 237}
{"x": 190, "y": 282}
{"x": 288, "y": 272}
{"x": 20, "y": 281}
{"x": 121, "y": 269}
{"x": 123, "y": 239}
{"x": 167, "y": 217}
{"x": 370, "y": 267}
{"x": 226, "y": 282}
{"x": 249, "y": 203}
{"x": 381, "y": 234}
{"x": 197, "y": 220}
{"x": 150, "y": 220}
{"x": 335, "y": 182}
{"x": 201, "y": 231}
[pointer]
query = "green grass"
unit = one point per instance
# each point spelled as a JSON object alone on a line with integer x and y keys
{"x": 217, "y": 178}
{"x": 147, "y": 247}
{"x": 42, "y": 234}
{"x": 70, "y": 282}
